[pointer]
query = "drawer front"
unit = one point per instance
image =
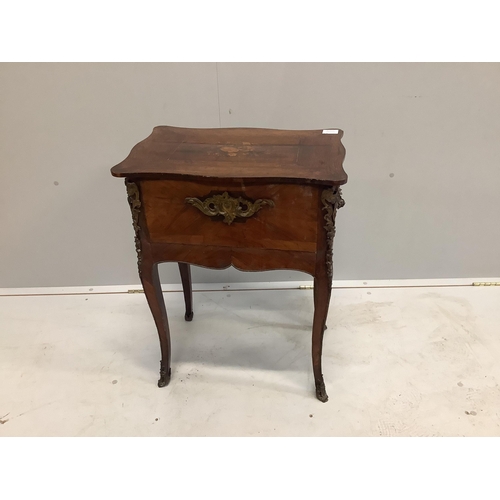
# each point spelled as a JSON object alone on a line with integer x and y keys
{"x": 275, "y": 216}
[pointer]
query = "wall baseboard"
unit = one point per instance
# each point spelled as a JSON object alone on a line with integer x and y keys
{"x": 275, "y": 285}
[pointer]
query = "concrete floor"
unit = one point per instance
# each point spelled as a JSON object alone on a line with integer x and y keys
{"x": 397, "y": 362}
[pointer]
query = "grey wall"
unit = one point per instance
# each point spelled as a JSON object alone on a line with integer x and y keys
{"x": 423, "y": 158}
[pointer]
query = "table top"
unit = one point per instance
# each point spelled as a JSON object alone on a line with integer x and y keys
{"x": 295, "y": 156}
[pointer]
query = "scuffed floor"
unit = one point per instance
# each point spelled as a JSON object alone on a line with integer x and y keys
{"x": 397, "y": 362}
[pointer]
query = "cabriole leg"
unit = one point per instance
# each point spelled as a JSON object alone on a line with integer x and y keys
{"x": 152, "y": 289}
{"x": 322, "y": 292}
{"x": 331, "y": 201}
{"x": 187, "y": 287}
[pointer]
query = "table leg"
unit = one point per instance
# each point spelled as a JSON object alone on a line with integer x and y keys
{"x": 152, "y": 289}
{"x": 185, "y": 270}
{"x": 322, "y": 293}
{"x": 331, "y": 200}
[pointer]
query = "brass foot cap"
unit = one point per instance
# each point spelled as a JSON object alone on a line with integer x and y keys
{"x": 164, "y": 378}
{"x": 321, "y": 392}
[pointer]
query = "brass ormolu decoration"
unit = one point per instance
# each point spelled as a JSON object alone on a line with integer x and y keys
{"x": 332, "y": 200}
{"x": 134, "y": 200}
{"x": 164, "y": 375}
{"x": 228, "y": 206}
{"x": 321, "y": 390}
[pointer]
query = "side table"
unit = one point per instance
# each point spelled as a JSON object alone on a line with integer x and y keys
{"x": 255, "y": 199}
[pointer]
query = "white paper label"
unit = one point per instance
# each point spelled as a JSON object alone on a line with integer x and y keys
{"x": 330, "y": 131}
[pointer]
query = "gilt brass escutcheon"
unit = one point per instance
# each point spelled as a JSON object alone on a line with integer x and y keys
{"x": 228, "y": 206}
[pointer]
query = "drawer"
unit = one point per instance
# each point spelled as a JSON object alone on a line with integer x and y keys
{"x": 286, "y": 218}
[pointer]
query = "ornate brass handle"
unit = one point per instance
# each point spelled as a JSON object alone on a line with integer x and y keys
{"x": 228, "y": 206}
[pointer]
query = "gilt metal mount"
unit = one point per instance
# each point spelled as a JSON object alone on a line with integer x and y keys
{"x": 134, "y": 200}
{"x": 228, "y": 206}
{"x": 332, "y": 200}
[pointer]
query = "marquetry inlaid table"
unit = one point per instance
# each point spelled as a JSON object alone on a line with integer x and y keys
{"x": 255, "y": 199}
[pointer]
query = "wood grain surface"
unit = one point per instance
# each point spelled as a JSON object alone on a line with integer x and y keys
{"x": 299, "y": 156}
{"x": 289, "y": 225}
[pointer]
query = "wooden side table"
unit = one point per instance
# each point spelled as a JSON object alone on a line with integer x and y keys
{"x": 256, "y": 199}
